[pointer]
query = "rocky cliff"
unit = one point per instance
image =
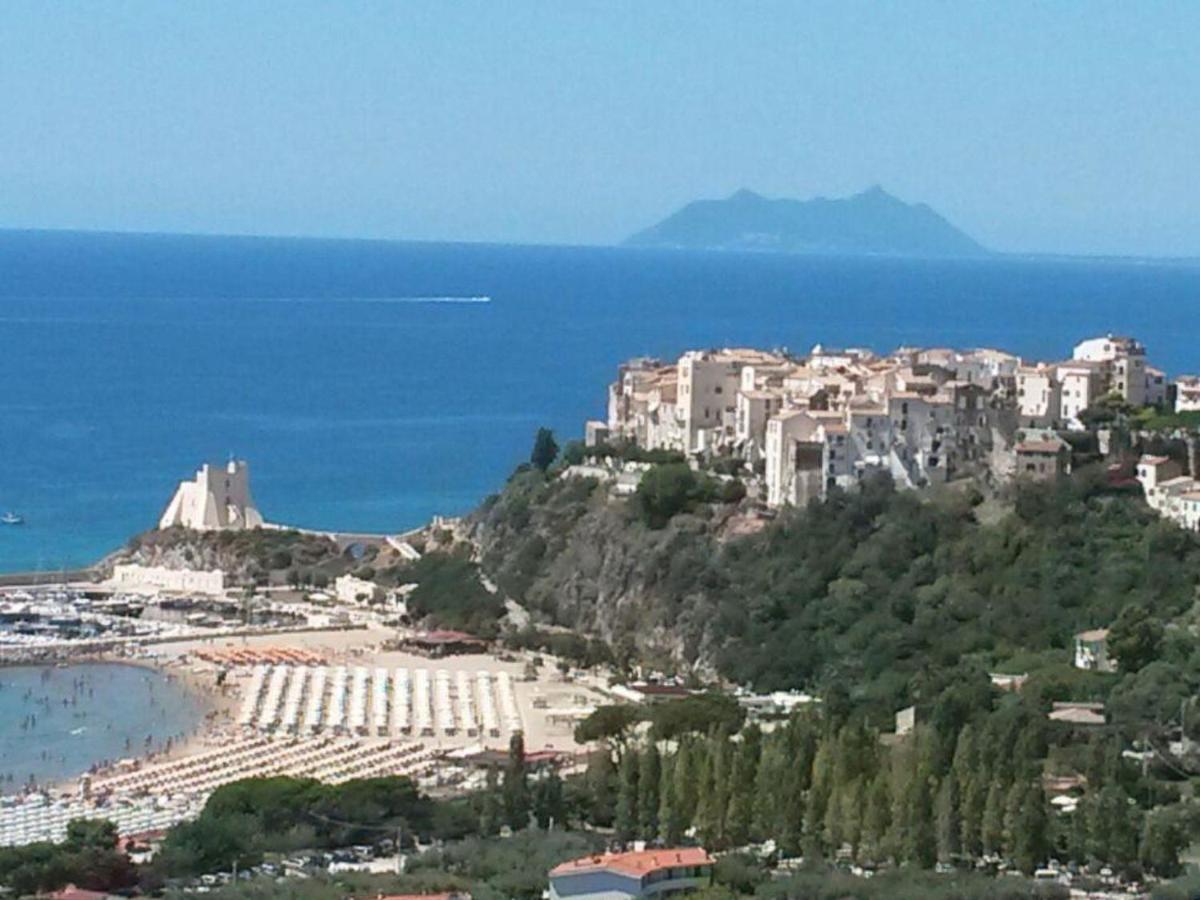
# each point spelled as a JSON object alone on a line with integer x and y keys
{"x": 577, "y": 558}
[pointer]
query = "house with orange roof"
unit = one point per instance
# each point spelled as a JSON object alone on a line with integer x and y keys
{"x": 637, "y": 873}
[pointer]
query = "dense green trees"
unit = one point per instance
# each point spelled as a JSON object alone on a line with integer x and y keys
{"x": 88, "y": 858}
{"x": 449, "y": 594}
{"x": 612, "y": 723}
{"x": 880, "y": 589}
{"x": 545, "y": 450}
{"x": 244, "y": 819}
{"x": 876, "y": 598}
{"x": 668, "y": 489}
{"x": 1134, "y": 638}
{"x": 665, "y": 491}
{"x": 826, "y": 790}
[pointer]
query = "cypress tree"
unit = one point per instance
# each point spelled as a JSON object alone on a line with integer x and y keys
{"x": 705, "y": 794}
{"x": 743, "y": 779}
{"x": 1013, "y": 801}
{"x": 516, "y": 785}
{"x": 1031, "y": 840}
{"x": 714, "y": 803}
{"x": 971, "y": 786}
{"x": 1077, "y": 837}
{"x": 992, "y": 828}
{"x": 626, "y": 820}
{"x": 922, "y": 834}
{"x": 549, "y": 805}
{"x": 877, "y": 820}
{"x": 601, "y": 779}
{"x": 949, "y": 821}
{"x": 853, "y": 814}
{"x": 491, "y": 812}
{"x": 1124, "y": 820}
{"x": 769, "y": 790}
{"x": 670, "y": 822}
{"x": 686, "y": 777}
{"x": 818, "y": 799}
{"x": 649, "y": 784}
{"x": 1162, "y": 840}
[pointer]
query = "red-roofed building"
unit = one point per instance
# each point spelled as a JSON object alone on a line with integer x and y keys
{"x": 70, "y": 892}
{"x": 443, "y": 643}
{"x": 639, "y": 873}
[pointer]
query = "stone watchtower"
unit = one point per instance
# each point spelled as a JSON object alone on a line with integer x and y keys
{"x": 216, "y": 499}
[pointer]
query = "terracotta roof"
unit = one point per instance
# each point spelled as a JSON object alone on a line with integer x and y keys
{"x": 1177, "y": 481}
{"x": 70, "y": 892}
{"x": 1077, "y": 716}
{"x": 1154, "y": 460}
{"x": 1096, "y": 634}
{"x": 636, "y": 863}
{"x": 445, "y": 637}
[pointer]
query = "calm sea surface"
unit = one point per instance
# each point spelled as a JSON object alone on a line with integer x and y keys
{"x": 365, "y": 401}
{"x": 56, "y": 723}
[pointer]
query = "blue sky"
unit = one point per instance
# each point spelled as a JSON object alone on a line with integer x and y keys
{"x": 1058, "y": 127}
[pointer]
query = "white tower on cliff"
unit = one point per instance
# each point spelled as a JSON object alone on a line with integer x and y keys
{"x": 217, "y": 499}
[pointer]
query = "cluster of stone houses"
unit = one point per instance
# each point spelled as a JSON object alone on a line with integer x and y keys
{"x": 1169, "y": 492}
{"x": 1055, "y": 394}
{"x": 825, "y": 420}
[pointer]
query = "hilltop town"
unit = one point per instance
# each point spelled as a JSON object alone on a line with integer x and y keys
{"x": 806, "y": 425}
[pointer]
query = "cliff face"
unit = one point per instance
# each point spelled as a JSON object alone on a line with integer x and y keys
{"x": 576, "y": 558}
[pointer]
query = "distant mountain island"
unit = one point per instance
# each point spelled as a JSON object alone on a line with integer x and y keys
{"x": 872, "y": 222}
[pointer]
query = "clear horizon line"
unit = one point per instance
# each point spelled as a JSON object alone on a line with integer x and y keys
{"x": 1033, "y": 255}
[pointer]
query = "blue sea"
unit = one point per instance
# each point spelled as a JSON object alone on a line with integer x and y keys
{"x": 371, "y": 386}
{"x": 58, "y": 722}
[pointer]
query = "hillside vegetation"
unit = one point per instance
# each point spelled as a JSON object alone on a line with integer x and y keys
{"x": 879, "y": 593}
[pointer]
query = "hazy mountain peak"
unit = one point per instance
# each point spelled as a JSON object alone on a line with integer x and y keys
{"x": 745, "y": 195}
{"x": 872, "y": 221}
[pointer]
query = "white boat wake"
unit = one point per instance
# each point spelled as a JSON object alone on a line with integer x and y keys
{"x": 449, "y": 298}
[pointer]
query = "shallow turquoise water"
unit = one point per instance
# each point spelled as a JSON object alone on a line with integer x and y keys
{"x": 56, "y": 723}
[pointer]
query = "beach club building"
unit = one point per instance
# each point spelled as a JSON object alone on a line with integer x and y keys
{"x": 639, "y": 873}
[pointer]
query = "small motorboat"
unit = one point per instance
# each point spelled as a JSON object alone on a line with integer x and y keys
{"x": 11, "y": 518}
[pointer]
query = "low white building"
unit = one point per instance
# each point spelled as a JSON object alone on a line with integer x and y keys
{"x": 1187, "y": 393}
{"x": 1091, "y": 651}
{"x": 152, "y": 579}
{"x": 350, "y": 590}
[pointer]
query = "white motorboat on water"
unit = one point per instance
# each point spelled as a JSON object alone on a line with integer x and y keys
{"x": 12, "y": 518}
